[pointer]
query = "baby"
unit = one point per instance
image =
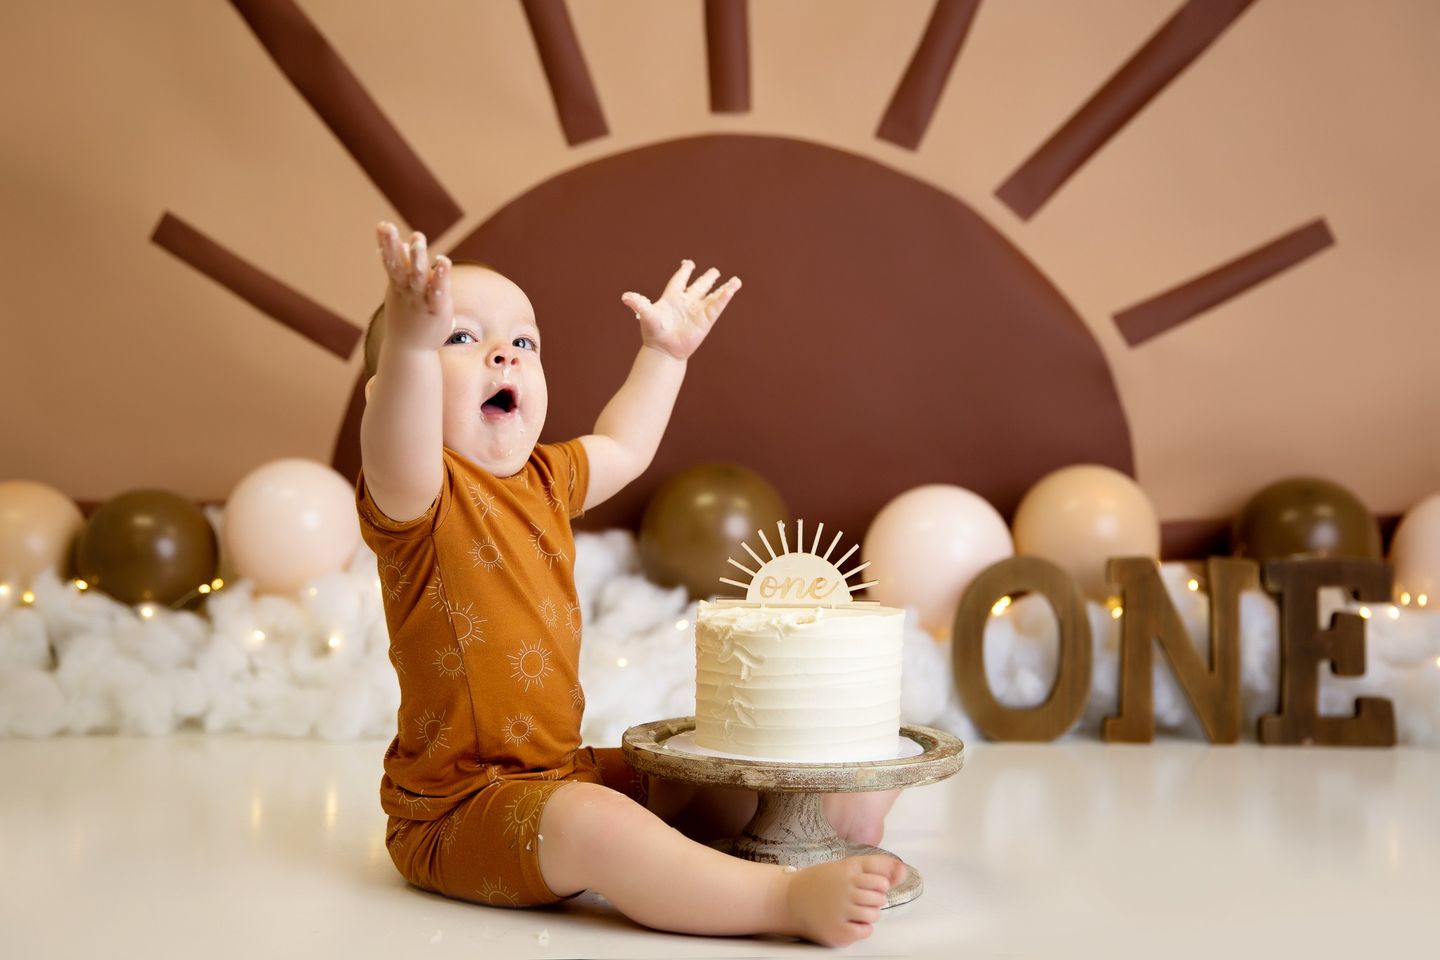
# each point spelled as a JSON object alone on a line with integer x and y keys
{"x": 490, "y": 796}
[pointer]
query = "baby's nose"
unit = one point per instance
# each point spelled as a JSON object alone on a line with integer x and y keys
{"x": 502, "y": 357}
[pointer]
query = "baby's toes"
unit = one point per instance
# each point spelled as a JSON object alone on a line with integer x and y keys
{"x": 859, "y": 914}
{"x": 873, "y": 881}
{"x": 895, "y": 870}
{"x": 869, "y": 898}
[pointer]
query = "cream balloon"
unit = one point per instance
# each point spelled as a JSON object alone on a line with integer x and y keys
{"x": 38, "y": 526}
{"x": 289, "y": 522}
{"x": 925, "y": 547}
{"x": 1415, "y": 554}
{"x": 1079, "y": 517}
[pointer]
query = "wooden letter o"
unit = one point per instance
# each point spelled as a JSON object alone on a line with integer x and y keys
{"x": 1010, "y": 577}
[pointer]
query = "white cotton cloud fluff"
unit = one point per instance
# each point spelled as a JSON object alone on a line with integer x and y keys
{"x": 316, "y": 665}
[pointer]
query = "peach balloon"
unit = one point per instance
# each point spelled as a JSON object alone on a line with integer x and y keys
{"x": 925, "y": 547}
{"x": 289, "y": 522}
{"x": 1415, "y": 554}
{"x": 38, "y": 526}
{"x": 1079, "y": 517}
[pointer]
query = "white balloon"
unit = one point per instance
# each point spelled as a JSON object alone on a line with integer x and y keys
{"x": 1415, "y": 553}
{"x": 290, "y": 522}
{"x": 927, "y": 545}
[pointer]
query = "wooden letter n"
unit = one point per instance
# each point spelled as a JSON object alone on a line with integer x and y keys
{"x": 1149, "y": 616}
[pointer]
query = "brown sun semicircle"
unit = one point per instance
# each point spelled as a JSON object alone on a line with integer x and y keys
{"x": 887, "y": 336}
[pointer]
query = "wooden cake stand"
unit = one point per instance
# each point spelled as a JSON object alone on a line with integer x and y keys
{"x": 789, "y": 826}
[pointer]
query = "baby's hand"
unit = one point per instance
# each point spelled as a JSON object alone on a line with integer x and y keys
{"x": 417, "y": 302}
{"x": 679, "y": 321}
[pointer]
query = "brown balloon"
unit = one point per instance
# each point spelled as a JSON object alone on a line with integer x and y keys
{"x": 147, "y": 546}
{"x": 698, "y": 518}
{"x": 1305, "y": 517}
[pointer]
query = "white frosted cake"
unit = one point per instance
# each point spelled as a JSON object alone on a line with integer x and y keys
{"x": 811, "y": 684}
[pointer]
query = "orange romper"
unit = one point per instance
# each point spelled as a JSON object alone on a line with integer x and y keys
{"x": 484, "y": 627}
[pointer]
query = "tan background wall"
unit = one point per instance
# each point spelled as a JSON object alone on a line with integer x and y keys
{"x": 122, "y": 367}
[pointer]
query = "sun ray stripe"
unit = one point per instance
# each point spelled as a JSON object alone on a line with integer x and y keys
{"x": 576, "y": 101}
{"x": 736, "y": 563}
{"x": 769, "y": 549}
{"x": 1153, "y": 317}
{"x": 332, "y": 90}
{"x": 799, "y": 535}
{"x": 259, "y": 289}
{"x": 784, "y": 544}
{"x": 831, "y": 549}
{"x": 913, "y": 104}
{"x": 1177, "y": 44}
{"x": 727, "y": 48}
{"x": 735, "y": 583}
{"x": 815, "y": 546}
{"x": 853, "y": 548}
{"x": 863, "y": 586}
{"x": 751, "y": 550}
{"x": 856, "y": 570}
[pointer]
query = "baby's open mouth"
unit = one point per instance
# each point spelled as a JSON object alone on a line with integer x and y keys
{"x": 502, "y": 404}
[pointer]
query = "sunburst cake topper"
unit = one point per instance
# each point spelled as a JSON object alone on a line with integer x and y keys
{"x": 798, "y": 577}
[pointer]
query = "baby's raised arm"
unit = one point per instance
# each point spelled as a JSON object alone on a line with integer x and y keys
{"x": 401, "y": 438}
{"x": 671, "y": 329}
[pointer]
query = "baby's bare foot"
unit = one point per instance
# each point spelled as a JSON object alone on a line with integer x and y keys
{"x": 838, "y": 903}
{"x": 859, "y": 817}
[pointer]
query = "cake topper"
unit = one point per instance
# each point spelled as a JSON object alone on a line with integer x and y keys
{"x": 798, "y": 577}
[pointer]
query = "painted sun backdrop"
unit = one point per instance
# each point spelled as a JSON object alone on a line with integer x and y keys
{"x": 980, "y": 240}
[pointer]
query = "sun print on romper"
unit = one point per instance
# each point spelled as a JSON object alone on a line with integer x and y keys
{"x": 450, "y": 662}
{"x": 413, "y": 801}
{"x": 397, "y": 835}
{"x": 545, "y": 552}
{"x": 519, "y": 728}
{"x": 555, "y": 502}
{"x": 522, "y": 817}
{"x": 572, "y": 619}
{"x": 466, "y": 624}
{"x": 577, "y": 697}
{"x": 532, "y": 664}
{"x": 485, "y": 501}
{"x": 548, "y": 612}
{"x": 484, "y": 553}
{"x": 431, "y": 728}
{"x": 397, "y": 657}
{"x": 451, "y": 829}
{"x": 494, "y": 892}
{"x": 436, "y": 593}
{"x": 392, "y": 578}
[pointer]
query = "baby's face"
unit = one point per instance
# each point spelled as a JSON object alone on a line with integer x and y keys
{"x": 495, "y": 395}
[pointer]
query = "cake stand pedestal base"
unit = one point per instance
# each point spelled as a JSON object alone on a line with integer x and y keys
{"x": 789, "y": 827}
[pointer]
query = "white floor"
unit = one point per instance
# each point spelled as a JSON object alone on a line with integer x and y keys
{"x": 214, "y": 847}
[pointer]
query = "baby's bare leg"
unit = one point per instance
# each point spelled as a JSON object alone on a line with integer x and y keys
{"x": 708, "y": 813}
{"x": 702, "y": 812}
{"x": 595, "y": 838}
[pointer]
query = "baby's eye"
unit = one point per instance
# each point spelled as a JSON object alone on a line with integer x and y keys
{"x": 525, "y": 343}
{"x": 458, "y": 334}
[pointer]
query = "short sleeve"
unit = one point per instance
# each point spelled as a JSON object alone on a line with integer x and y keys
{"x": 569, "y": 470}
{"x": 375, "y": 526}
